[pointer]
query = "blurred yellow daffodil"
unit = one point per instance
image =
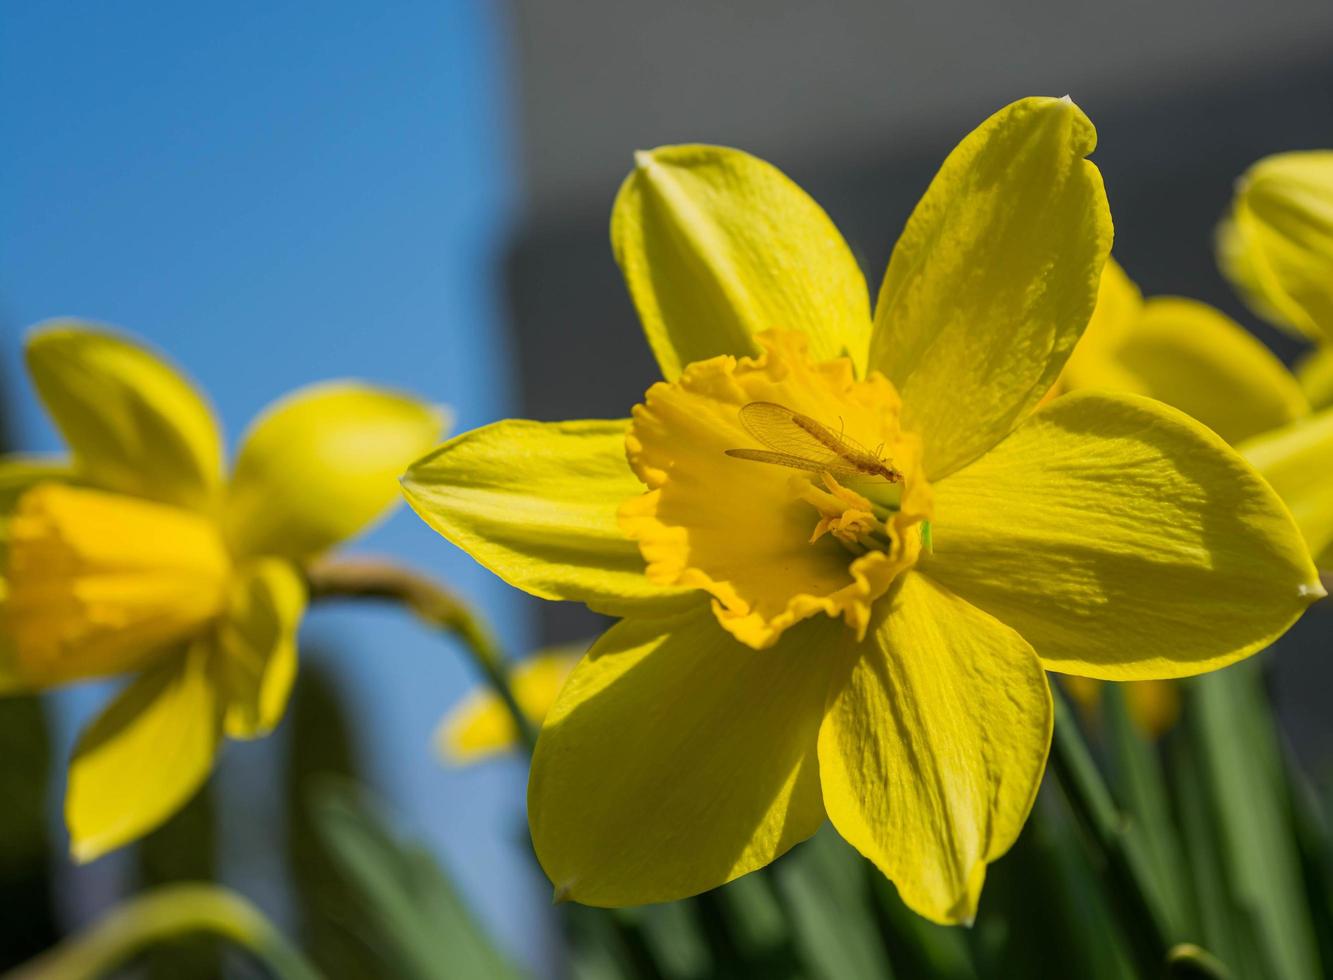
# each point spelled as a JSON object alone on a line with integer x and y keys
{"x": 138, "y": 556}
{"x": 1153, "y": 706}
{"x": 856, "y": 633}
{"x": 1195, "y": 358}
{"x": 1276, "y": 244}
{"x": 481, "y": 726}
{"x": 1184, "y": 353}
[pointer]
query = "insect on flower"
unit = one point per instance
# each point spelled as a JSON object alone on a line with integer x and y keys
{"x": 799, "y": 442}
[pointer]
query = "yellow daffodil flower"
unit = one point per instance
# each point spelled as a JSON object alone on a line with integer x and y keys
{"x": 858, "y": 634}
{"x": 1276, "y": 245}
{"x": 481, "y": 726}
{"x": 139, "y": 556}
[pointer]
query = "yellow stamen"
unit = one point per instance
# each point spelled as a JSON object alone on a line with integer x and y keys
{"x": 845, "y": 513}
{"x": 99, "y": 582}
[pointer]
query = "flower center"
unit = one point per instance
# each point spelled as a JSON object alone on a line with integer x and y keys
{"x": 782, "y": 487}
{"x": 99, "y": 582}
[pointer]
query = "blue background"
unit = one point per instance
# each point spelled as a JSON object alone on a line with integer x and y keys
{"x": 276, "y": 193}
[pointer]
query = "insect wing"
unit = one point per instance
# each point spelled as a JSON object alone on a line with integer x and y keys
{"x": 791, "y": 434}
{"x": 777, "y": 459}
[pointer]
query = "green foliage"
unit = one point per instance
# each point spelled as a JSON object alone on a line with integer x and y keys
{"x": 27, "y": 921}
{"x": 321, "y": 744}
{"x": 1250, "y": 801}
{"x": 182, "y": 849}
{"x": 421, "y": 925}
{"x": 1201, "y": 857}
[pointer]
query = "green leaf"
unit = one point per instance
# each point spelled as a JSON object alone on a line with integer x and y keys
{"x": 320, "y": 744}
{"x": 1129, "y": 884}
{"x": 917, "y": 946}
{"x": 754, "y": 918}
{"x": 27, "y": 910}
{"x": 1141, "y": 787}
{"x": 1234, "y": 734}
{"x": 1073, "y": 933}
{"x": 425, "y": 925}
{"x": 673, "y": 936}
{"x": 1223, "y": 926}
{"x": 1310, "y": 825}
{"x": 821, "y": 884}
{"x": 182, "y": 850}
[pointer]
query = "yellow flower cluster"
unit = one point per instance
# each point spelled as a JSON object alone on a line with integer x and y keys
{"x": 845, "y": 541}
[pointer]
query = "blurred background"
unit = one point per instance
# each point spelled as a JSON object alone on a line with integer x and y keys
{"x": 418, "y": 193}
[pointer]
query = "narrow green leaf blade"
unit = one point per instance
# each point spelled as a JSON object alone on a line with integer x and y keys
{"x": 424, "y": 922}
{"x": 821, "y": 885}
{"x": 1234, "y": 732}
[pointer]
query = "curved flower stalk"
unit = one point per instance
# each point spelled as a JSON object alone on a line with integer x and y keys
{"x": 140, "y": 556}
{"x": 859, "y": 634}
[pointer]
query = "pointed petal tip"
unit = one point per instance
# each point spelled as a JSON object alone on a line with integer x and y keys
{"x": 643, "y": 159}
{"x": 561, "y": 894}
{"x": 1313, "y": 591}
{"x": 85, "y": 851}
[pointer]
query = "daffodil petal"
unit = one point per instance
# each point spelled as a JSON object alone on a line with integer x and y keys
{"x": 257, "y": 643}
{"x": 994, "y": 279}
{"x": 1298, "y": 462}
{"x": 717, "y": 246}
{"x": 322, "y": 464}
{"x": 535, "y": 502}
{"x": 1119, "y": 307}
{"x": 1123, "y": 540}
{"x": 21, "y": 473}
{"x": 1315, "y": 375}
{"x": 18, "y": 474}
{"x": 101, "y": 583}
{"x": 133, "y": 422}
{"x": 676, "y": 759}
{"x": 1277, "y": 245}
{"x": 934, "y": 745}
{"x": 481, "y": 726}
{"x": 145, "y": 755}
{"x": 1199, "y": 360}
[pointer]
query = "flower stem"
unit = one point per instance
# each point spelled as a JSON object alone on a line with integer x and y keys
{"x": 1134, "y": 898}
{"x": 161, "y": 915}
{"x": 376, "y": 578}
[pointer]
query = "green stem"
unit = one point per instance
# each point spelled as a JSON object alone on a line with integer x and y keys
{"x": 161, "y": 915}
{"x": 367, "y": 578}
{"x": 1140, "y": 909}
